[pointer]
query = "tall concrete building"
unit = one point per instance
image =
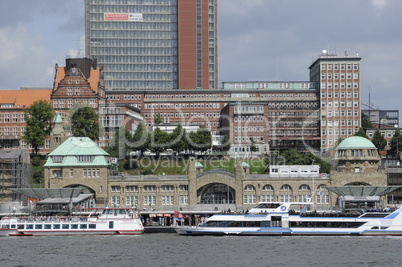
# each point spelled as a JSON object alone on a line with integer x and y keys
{"x": 155, "y": 44}
{"x": 340, "y": 106}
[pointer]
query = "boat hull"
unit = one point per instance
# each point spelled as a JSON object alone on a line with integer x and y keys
{"x": 68, "y": 233}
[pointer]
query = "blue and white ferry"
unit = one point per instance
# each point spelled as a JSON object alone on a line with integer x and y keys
{"x": 279, "y": 219}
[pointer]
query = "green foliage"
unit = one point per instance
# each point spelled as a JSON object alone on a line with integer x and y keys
{"x": 157, "y": 119}
{"x": 178, "y": 140}
{"x": 378, "y": 140}
{"x": 84, "y": 122}
{"x": 39, "y": 123}
{"x": 225, "y": 143}
{"x": 200, "y": 140}
{"x": 119, "y": 145}
{"x": 38, "y": 171}
{"x": 361, "y": 132}
{"x": 140, "y": 140}
{"x": 366, "y": 123}
{"x": 396, "y": 141}
{"x": 159, "y": 140}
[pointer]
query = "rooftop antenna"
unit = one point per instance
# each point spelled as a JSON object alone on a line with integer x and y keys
{"x": 336, "y": 47}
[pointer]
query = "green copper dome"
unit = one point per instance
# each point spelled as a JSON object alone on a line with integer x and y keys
{"x": 356, "y": 142}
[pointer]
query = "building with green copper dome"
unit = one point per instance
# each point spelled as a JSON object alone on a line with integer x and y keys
{"x": 357, "y": 163}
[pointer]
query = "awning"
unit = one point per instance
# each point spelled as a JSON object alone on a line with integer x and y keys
{"x": 43, "y": 193}
{"x": 66, "y": 201}
{"x": 362, "y": 191}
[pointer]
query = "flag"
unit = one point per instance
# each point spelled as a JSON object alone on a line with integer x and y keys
{"x": 179, "y": 216}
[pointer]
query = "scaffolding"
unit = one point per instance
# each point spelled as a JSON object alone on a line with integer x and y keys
{"x": 15, "y": 172}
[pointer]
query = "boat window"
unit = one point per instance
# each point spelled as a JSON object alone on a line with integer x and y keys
{"x": 48, "y": 226}
{"x": 268, "y": 206}
{"x": 74, "y": 226}
{"x": 20, "y": 226}
{"x": 29, "y": 226}
{"x": 265, "y": 224}
{"x": 92, "y": 226}
{"x": 123, "y": 212}
{"x": 65, "y": 226}
{"x": 83, "y": 226}
{"x": 38, "y": 226}
{"x": 111, "y": 224}
{"x": 56, "y": 226}
{"x": 12, "y": 226}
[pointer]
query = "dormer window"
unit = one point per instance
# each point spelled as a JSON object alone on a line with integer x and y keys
{"x": 85, "y": 158}
{"x": 57, "y": 159}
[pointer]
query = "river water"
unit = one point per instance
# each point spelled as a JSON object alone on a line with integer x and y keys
{"x": 173, "y": 250}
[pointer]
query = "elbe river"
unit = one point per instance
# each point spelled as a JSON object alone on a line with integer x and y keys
{"x": 168, "y": 249}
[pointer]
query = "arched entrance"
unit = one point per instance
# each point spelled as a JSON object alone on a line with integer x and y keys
{"x": 216, "y": 194}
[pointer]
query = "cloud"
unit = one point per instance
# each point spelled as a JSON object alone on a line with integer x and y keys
{"x": 378, "y": 3}
{"x": 22, "y": 58}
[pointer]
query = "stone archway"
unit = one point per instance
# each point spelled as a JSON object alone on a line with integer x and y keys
{"x": 217, "y": 186}
{"x": 86, "y": 189}
{"x": 217, "y": 193}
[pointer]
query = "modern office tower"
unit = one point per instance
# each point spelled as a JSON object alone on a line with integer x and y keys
{"x": 153, "y": 44}
{"x": 339, "y": 79}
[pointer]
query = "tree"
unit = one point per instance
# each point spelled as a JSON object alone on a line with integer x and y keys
{"x": 140, "y": 139}
{"x": 379, "y": 140}
{"x": 159, "y": 139}
{"x": 366, "y": 123}
{"x": 396, "y": 141}
{"x": 39, "y": 123}
{"x": 84, "y": 122}
{"x": 120, "y": 143}
{"x": 200, "y": 140}
{"x": 225, "y": 144}
{"x": 157, "y": 119}
{"x": 361, "y": 133}
{"x": 177, "y": 139}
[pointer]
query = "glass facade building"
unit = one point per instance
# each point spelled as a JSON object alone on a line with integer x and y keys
{"x": 153, "y": 44}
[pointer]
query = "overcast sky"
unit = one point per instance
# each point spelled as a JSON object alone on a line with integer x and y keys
{"x": 265, "y": 40}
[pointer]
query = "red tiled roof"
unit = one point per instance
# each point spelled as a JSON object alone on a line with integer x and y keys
{"x": 23, "y": 98}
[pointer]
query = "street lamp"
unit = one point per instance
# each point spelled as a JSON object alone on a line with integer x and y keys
{"x": 397, "y": 142}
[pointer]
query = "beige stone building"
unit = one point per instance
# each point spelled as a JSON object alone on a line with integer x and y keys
{"x": 79, "y": 162}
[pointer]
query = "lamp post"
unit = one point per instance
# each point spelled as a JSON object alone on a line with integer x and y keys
{"x": 397, "y": 142}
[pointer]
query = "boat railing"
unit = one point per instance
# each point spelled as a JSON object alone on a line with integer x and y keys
{"x": 51, "y": 219}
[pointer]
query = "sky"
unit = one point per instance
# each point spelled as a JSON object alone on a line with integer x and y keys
{"x": 258, "y": 40}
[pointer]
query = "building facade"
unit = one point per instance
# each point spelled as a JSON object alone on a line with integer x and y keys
{"x": 164, "y": 44}
{"x": 382, "y": 117}
{"x": 340, "y": 105}
{"x": 79, "y": 162}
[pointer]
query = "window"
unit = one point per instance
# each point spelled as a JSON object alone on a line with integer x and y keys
{"x": 165, "y": 188}
{"x": 115, "y": 188}
{"x": 167, "y": 200}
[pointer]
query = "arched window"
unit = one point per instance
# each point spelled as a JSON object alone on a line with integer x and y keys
{"x": 286, "y": 193}
{"x": 322, "y": 195}
{"x": 249, "y": 196}
{"x": 304, "y": 193}
{"x": 268, "y": 194}
{"x": 217, "y": 194}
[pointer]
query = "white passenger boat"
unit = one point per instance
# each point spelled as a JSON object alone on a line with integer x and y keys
{"x": 280, "y": 219}
{"x": 107, "y": 221}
